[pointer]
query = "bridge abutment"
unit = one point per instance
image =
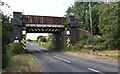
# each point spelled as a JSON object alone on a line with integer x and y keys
{"x": 74, "y": 36}
{"x": 59, "y": 40}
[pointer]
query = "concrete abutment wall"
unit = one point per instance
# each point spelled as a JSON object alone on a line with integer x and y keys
{"x": 59, "y": 40}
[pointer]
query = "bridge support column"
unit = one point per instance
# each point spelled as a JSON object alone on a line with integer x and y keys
{"x": 74, "y": 36}
{"x": 17, "y": 33}
{"x": 59, "y": 40}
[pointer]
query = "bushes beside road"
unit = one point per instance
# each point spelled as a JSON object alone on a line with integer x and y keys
{"x": 47, "y": 45}
{"x": 11, "y": 49}
{"x": 95, "y": 47}
{"x": 16, "y": 48}
{"x": 5, "y": 58}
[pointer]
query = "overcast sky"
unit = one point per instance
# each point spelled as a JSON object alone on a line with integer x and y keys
{"x": 37, "y": 7}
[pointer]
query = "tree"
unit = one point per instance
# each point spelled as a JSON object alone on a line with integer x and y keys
{"x": 80, "y": 10}
{"x": 109, "y": 24}
{"x": 3, "y": 3}
{"x": 105, "y": 20}
{"x": 7, "y": 29}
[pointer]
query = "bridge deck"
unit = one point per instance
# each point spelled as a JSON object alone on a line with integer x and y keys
{"x": 32, "y": 19}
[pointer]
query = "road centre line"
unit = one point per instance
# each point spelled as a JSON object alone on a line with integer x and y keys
{"x": 62, "y": 59}
{"x": 95, "y": 70}
{"x": 47, "y": 53}
{"x": 55, "y": 56}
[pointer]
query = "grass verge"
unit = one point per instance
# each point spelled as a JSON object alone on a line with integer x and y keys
{"x": 46, "y": 44}
{"x": 22, "y": 63}
{"x": 106, "y": 55}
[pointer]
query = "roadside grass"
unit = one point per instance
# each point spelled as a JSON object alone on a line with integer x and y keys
{"x": 46, "y": 44}
{"x": 93, "y": 48}
{"x": 98, "y": 52}
{"x": 22, "y": 63}
{"x": 107, "y": 54}
{"x": 85, "y": 48}
{"x": 11, "y": 50}
{"x": 19, "y": 60}
{"x": 34, "y": 42}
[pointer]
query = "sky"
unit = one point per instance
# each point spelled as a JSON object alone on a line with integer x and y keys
{"x": 37, "y": 7}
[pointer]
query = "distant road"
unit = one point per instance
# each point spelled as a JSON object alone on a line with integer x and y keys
{"x": 61, "y": 62}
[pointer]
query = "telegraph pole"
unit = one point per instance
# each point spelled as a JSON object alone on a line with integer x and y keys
{"x": 90, "y": 18}
{"x": 91, "y": 26}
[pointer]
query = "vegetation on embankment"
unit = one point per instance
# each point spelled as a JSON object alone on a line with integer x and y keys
{"x": 7, "y": 31}
{"x": 93, "y": 48}
{"x": 105, "y": 23}
{"x": 105, "y": 20}
{"x": 107, "y": 54}
{"x": 47, "y": 44}
{"x": 8, "y": 47}
{"x": 19, "y": 60}
{"x": 90, "y": 47}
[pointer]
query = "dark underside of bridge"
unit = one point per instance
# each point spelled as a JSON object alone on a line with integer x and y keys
{"x": 58, "y": 34}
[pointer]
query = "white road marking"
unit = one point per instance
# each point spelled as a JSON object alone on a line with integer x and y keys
{"x": 47, "y": 53}
{"x": 55, "y": 56}
{"x": 62, "y": 59}
{"x": 95, "y": 70}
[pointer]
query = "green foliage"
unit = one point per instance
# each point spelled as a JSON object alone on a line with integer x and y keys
{"x": 5, "y": 58}
{"x": 8, "y": 49}
{"x": 11, "y": 49}
{"x": 108, "y": 24}
{"x": 88, "y": 43}
{"x": 81, "y": 11}
{"x": 78, "y": 46}
{"x": 46, "y": 44}
{"x": 84, "y": 40}
{"x": 7, "y": 29}
{"x": 16, "y": 48}
{"x": 39, "y": 40}
{"x": 105, "y": 22}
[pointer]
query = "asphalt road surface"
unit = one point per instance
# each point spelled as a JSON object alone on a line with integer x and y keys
{"x": 61, "y": 62}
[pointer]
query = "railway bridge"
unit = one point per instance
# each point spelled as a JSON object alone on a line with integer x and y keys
{"x": 61, "y": 36}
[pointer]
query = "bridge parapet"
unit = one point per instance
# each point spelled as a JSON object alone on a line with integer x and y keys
{"x": 33, "y": 19}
